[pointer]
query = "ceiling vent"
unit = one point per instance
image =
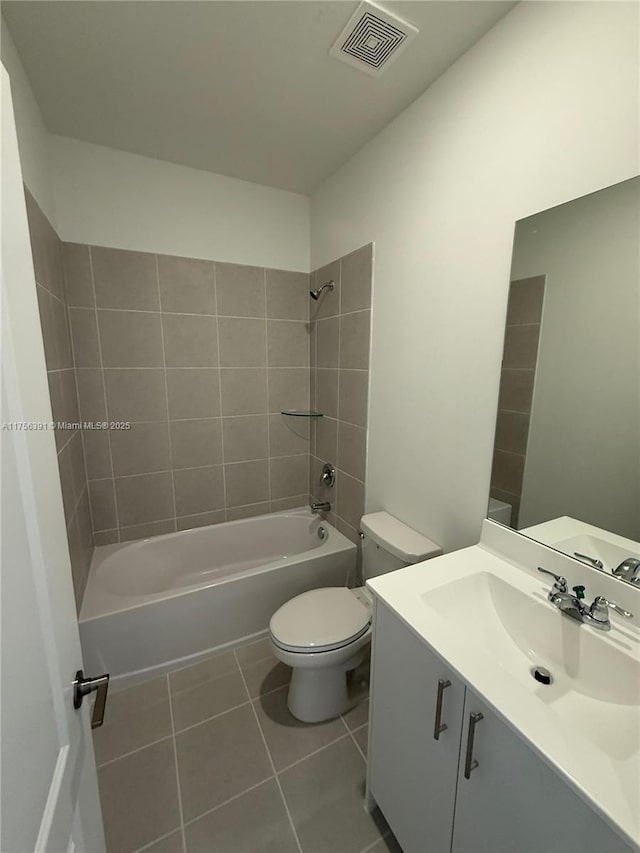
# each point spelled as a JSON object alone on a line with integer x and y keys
{"x": 372, "y": 39}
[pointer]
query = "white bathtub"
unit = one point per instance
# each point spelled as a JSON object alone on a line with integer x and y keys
{"x": 158, "y": 600}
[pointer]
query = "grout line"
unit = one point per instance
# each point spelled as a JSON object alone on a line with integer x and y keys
{"x": 273, "y": 767}
{"x": 175, "y": 747}
{"x": 337, "y": 482}
{"x": 137, "y": 749}
{"x": 357, "y": 745}
{"x": 186, "y": 313}
{"x": 155, "y": 840}
{"x": 230, "y": 800}
{"x": 104, "y": 393}
{"x": 213, "y": 716}
{"x": 219, "y": 370}
{"x": 315, "y": 752}
{"x": 166, "y": 401}
{"x": 208, "y": 366}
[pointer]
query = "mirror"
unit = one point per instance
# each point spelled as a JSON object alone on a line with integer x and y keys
{"x": 566, "y": 462}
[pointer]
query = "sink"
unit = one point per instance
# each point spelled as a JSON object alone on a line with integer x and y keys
{"x": 596, "y": 680}
{"x": 609, "y": 553}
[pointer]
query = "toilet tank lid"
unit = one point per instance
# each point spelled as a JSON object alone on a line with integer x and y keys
{"x": 395, "y": 537}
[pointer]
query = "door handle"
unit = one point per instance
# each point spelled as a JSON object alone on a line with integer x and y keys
{"x": 469, "y": 763}
{"x": 83, "y": 686}
{"x": 439, "y": 727}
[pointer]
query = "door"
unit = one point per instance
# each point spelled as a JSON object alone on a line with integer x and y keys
{"x": 513, "y": 802}
{"x": 412, "y": 773}
{"x": 49, "y": 795}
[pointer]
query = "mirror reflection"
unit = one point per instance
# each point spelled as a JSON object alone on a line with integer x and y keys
{"x": 566, "y": 463}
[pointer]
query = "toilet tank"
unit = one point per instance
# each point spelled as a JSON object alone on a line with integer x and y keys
{"x": 388, "y": 544}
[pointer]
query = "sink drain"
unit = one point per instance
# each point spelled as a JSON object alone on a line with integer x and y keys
{"x": 542, "y": 675}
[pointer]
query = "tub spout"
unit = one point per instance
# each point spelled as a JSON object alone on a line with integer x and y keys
{"x": 322, "y": 506}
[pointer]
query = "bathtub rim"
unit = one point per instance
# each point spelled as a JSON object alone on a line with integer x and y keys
{"x": 112, "y": 603}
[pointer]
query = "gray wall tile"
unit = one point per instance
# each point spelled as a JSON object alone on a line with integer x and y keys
{"x": 288, "y": 295}
{"x": 78, "y": 279}
{"x": 288, "y": 476}
{"x": 240, "y": 290}
{"x": 196, "y": 443}
{"x": 329, "y": 303}
{"x": 525, "y": 300}
{"x": 288, "y": 389}
{"x": 198, "y": 490}
{"x": 186, "y": 285}
{"x": 352, "y": 449}
{"x": 103, "y": 504}
{"x": 144, "y": 497}
{"x": 151, "y": 528}
{"x": 84, "y": 336}
{"x": 190, "y": 341}
{"x": 91, "y": 395}
{"x": 242, "y": 342}
{"x": 247, "y": 482}
{"x": 326, "y": 445}
{"x": 350, "y": 502}
{"x": 125, "y": 279}
{"x": 356, "y": 269}
{"x": 354, "y": 340}
{"x": 328, "y": 342}
{"x": 288, "y": 343}
{"x": 130, "y": 339}
{"x": 246, "y": 438}
{"x": 516, "y": 390}
{"x": 97, "y": 454}
{"x": 193, "y": 392}
{"x": 327, "y": 392}
{"x": 288, "y": 436}
{"x": 352, "y": 404}
{"x": 244, "y": 391}
{"x": 142, "y": 449}
{"x": 136, "y": 395}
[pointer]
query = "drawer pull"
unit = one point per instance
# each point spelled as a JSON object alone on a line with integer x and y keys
{"x": 439, "y": 727}
{"x": 469, "y": 763}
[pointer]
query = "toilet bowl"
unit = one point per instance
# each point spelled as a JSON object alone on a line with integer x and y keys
{"x": 325, "y": 633}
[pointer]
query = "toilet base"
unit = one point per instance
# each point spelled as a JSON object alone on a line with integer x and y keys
{"x": 320, "y": 694}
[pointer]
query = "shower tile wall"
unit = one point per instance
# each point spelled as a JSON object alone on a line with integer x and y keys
{"x": 200, "y": 358}
{"x": 522, "y": 334}
{"x": 52, "y": 304}
{"x": 340, "y": 331}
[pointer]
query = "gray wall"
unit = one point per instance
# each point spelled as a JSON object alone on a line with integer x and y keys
{"x": 199, "y": 357}
{"x": 61, "y": 374}
{"x": 340, "y": 335}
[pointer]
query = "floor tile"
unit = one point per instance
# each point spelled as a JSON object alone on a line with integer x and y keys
{"x": 215, "y": 696}
{"x": 169, "y": 844}
{"x": 266, "y": 675}
{"x": 324, "y": 794}
{"x": 361, "y": 736}
{"x": 288, "y": 739}
{"x": 133, "y": 718}
{"x": 139, "y": 797}
{"x": 388, "y": 844}
{"x": 219, "y": 759}
{"x": 213, "y": 667}
{"x": 253, "y": 652}
{"x": 358, "y": 716}
{"x": 256, "y": 822}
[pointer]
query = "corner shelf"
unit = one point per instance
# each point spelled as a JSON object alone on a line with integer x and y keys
{"x": 295, "y": 413}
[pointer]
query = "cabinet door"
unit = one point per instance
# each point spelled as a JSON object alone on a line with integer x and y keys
{"x": 412, "y": 776}
{"x": 513, "y": 802}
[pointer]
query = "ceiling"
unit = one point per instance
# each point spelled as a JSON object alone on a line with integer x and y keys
{"x": 244, "y": 88}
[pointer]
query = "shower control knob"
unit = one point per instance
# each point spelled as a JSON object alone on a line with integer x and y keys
{"x": 328, "y": 477}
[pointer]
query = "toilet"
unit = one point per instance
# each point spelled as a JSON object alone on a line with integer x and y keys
{"x": 325, "y": 633}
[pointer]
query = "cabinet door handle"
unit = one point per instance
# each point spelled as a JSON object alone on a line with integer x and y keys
{"x": 438, "y": 726}
{"x": 469, "y": 763}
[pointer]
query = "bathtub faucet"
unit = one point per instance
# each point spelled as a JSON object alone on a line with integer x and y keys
{"x": 322, "y": 506}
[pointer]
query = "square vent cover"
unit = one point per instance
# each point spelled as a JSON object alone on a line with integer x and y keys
{"x": 372, "y": 39}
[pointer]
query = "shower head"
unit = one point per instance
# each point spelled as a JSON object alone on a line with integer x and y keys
{"x": 315, "y": 294}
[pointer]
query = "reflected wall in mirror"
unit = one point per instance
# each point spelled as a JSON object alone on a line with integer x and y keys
{"x": 566, "y": 463}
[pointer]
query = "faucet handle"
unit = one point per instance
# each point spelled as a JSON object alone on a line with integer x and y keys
{"x": 600, "y": 602}
{"x": 560, "y": 584}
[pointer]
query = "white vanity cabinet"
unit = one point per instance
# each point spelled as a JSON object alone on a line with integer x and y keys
{"x": 512, "y": 802}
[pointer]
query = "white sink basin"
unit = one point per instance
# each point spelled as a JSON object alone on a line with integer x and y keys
{"x": 596, "y": 685}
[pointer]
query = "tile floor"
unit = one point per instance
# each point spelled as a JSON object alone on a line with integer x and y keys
{"x": 207, "y": 759}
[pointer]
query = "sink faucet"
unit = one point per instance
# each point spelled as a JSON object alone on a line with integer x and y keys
{"x": 628, "y": 570}
{"x": 322, "y": 506}
{"x": 597, "y": 614}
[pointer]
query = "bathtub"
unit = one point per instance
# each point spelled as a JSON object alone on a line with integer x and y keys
{"x": 152, "y": 602}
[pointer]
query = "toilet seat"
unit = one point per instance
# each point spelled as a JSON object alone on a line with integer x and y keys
{"x": 320, "y": 620}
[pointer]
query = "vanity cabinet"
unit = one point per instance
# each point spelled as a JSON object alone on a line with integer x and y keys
{"x": 512, "y": 802}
